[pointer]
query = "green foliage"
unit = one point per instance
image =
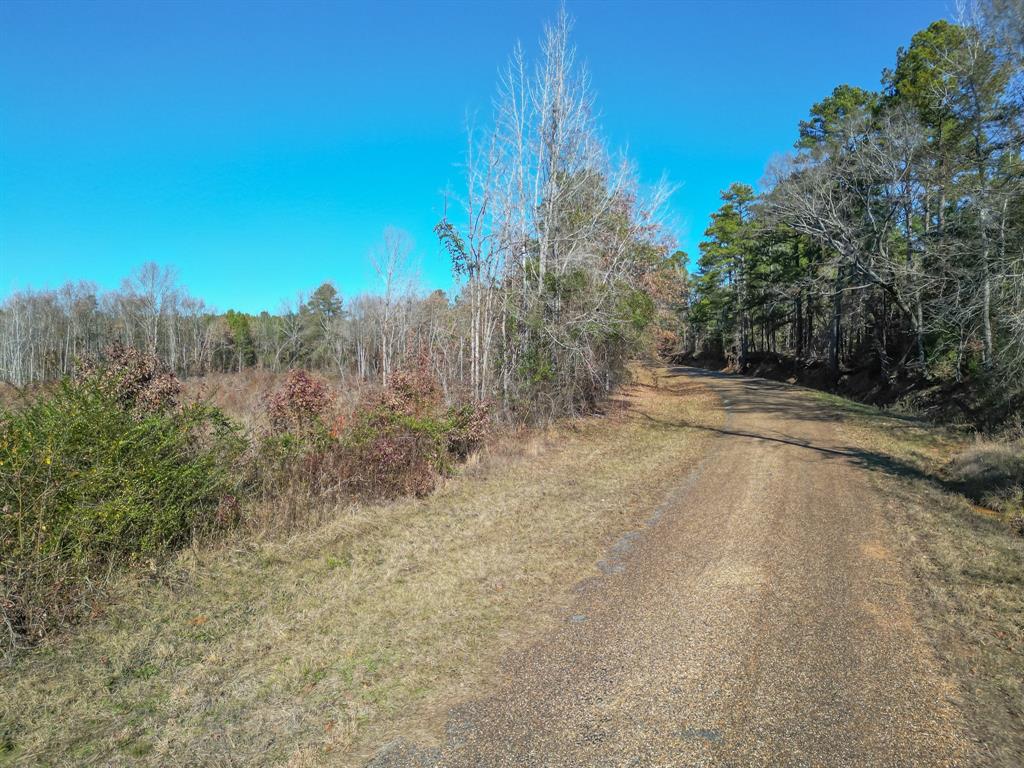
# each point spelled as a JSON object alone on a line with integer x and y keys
{"x": 454, "y": 244}
{"x": 725, "y": 265}
{"x": 241, "y": 338}
{"x": 88, "y": 482}
{"x": 636, "y": 310}
{"x": 827, "y": 115}
{"x": 536, "y": 365}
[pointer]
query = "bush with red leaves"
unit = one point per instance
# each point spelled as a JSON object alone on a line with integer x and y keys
{"x": 412, "y": 392}
{"x": 137, "y": 380}
{"x": 300, "y": 403}
{"x": 667, "y": 342}
{"x": 402, "y": 440}
{"x": 398, "y": 441}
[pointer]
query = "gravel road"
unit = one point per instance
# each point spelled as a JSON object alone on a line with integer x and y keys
{"x": 760, "y": 619}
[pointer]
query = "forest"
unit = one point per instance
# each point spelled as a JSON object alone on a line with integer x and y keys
{"x": 886, "y": 253}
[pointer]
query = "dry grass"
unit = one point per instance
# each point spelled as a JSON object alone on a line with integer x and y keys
{"x": 991, "y": 472}
{"x": 313, "y": 650}
{"x": 967, "y": 562}
{"x": 242, "y": 396}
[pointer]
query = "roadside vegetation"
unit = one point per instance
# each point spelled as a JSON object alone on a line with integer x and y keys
{"x": 111, "y": 471}
{"x": 315, "y": 648}
{"x": 106, "y": 465}
{"x": 105, "y": 471}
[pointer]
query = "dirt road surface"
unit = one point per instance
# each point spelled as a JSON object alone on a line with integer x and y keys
{"x": 761, "y": 618}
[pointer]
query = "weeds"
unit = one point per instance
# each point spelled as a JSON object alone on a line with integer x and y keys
{"x": 109, "y": 470}
{"x": 991, "y": 473}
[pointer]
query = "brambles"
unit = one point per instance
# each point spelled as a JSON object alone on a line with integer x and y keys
{"x": 467, "y": 429}
{"x": 137, "y": 381}
{"x": 403, "y": 439}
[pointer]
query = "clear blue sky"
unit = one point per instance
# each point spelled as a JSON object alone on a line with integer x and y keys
{"x": 262, "y": 147}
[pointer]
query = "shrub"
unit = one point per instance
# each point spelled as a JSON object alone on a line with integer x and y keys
{"x": 292, "y": 457}
{"x": 666, "y": 343}
{"x": 300, "y": 404}
{"x": 136, "y": 381}
{"x": 466, "y": 429}
{"x": 104, "y": 471}
{"x": 398, "y": 441}
{"x": 387, "y": 453}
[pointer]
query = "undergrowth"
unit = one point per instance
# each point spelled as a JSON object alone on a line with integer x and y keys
{"x": 110, "y": 470}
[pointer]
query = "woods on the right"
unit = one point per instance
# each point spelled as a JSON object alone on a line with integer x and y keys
{"x": 891, "y": 242}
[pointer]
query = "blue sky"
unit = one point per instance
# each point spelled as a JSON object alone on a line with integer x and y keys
{"x": 261, "y": 148}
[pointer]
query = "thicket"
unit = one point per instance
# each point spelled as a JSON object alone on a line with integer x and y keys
{"x": 106, "y": 470}
{"x": 398, "y": 440}
{"x": 110, "y": 470}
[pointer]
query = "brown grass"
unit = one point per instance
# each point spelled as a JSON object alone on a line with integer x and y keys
{"x": 991, "y": 472}
{"x": 243, "y": 395}
{"x": 967, "y": 561}
{"x": 317, "y": 648}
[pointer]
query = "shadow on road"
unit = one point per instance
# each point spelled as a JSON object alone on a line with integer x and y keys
{"x": 762, "y": 397}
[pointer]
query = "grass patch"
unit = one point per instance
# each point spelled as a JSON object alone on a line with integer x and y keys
{"x": 315, "y": 649}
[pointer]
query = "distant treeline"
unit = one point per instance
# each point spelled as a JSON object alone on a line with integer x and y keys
{"x": 46, "y": 334}
{"x": 892, "y": 241}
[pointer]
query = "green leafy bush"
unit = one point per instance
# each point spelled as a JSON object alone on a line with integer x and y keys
{"x": 105, "y": 470}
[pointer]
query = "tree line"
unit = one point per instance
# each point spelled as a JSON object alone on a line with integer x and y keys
{"x": 562, "y": 270}
{"x": 892, "y": 240}
{"x": 45, "y": 334}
